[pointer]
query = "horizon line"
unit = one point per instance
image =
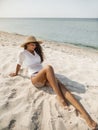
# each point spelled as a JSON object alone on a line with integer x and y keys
{"x": 55, "y": 17}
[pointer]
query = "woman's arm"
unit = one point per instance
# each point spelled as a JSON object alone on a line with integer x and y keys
{"x": 17, "y": 71}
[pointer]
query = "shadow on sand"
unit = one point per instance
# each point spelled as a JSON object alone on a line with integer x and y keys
{"x": 73, "y": 86}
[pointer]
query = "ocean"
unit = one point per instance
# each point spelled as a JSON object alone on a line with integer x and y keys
{"x": 78, "y": 31}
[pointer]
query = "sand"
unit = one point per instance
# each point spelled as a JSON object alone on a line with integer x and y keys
{"x": 25, "y": 107}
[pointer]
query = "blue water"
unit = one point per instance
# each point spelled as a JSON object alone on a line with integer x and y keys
{"x": 76, "y": 31}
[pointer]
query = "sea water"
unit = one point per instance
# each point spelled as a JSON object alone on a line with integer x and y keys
{"x": 79, "y": 31}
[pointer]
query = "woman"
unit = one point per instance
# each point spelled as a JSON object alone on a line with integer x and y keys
{"x": 32, "y": 57}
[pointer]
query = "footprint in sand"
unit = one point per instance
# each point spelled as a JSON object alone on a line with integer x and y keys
{"x": 36, "y": 120}
{"x": 11, "y": 124}
{"x": 13, "y": 94}
{"x": 6, "y": 104}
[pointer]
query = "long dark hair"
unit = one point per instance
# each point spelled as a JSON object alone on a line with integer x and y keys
{"x": 38, "y": 50}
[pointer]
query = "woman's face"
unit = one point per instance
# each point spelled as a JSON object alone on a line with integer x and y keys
{"x": 31, "y": 46}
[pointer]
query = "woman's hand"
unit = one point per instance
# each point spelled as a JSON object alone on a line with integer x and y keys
{"x": 13, "y": 74}
{"x": 16, "y": 72}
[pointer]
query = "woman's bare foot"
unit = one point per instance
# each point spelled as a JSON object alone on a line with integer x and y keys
{"x": 91, "y": 123}
{"x": 62, "y": 102}
{"x": 65, "y": 105}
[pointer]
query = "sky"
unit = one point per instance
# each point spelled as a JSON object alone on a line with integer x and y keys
{"x": 49, "y": 8}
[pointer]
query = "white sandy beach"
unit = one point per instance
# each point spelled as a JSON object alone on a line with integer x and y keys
{"x": 24, "y": 107}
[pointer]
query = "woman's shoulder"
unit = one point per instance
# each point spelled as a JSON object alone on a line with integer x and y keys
{"x": 21, "y": 52}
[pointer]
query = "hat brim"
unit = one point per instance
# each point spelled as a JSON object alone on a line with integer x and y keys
{"x": 23, "y": 44}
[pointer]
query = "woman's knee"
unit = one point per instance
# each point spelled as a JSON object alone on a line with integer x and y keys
{"x": 49, "y": 67}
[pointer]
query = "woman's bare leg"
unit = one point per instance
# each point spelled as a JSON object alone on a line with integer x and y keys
{"x": 65, "y": 100}
{"x": 77, "y": 105}
{"x": 47, "y": 74}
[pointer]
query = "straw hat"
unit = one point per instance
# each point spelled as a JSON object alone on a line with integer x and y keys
{"x": 30, "y": 39}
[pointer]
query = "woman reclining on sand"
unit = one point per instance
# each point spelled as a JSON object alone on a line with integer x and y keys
{"x": 32, "y": 57}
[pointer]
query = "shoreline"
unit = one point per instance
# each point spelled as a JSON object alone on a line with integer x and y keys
{"x": 77, "y": 45}
{"x": 56, "y": 42}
